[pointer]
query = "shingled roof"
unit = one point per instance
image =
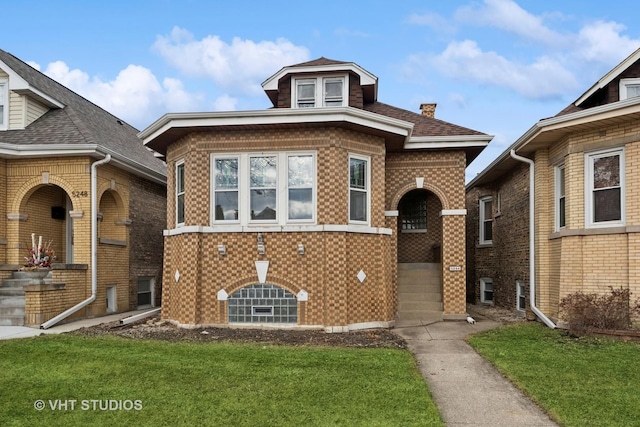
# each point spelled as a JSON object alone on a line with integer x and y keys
{"x": 79, "y": 122}
{"x": 423, "y": 125}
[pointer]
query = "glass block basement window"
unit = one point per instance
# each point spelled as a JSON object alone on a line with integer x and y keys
{"x": 262, "y": 303}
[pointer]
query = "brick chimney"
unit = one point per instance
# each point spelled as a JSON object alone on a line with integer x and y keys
{"x": 428, "y": 110}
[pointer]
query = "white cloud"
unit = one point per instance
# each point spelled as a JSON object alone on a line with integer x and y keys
{"x": 135, "y": 95}
{"x": 240, "y": 65}
{"x": 225, "y": 103}
{"x": 466, "y": 61}
{"x": 603, "y": 42}
{"x": 507, "y": 15}
{"x": 432, "y": 20}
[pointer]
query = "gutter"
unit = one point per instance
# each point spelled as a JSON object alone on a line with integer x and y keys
{"x": 94, "y": 248}
{"x": 532, "y": 253}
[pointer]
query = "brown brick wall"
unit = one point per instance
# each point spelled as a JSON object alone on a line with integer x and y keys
{"x": 507, "y": 259}
{"x": 148, "y": 213}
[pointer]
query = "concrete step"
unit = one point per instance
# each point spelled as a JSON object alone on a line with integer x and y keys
{"x": 409, "y": 306}
{"x": 432, "y": 285}
{"x": 419, "y": 315}
{"x": 11, "y": 291}
{"x": 418, "y": 296}
{"x": 12, "y": 320}
{"x": 15, "y": 283}
{"x": 405, "y": 266}
{"x": 12, "y": 301}
{"x": 6, "y": 311}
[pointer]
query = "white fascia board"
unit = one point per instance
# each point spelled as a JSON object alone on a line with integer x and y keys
{"x": 276, "y": 116}
{"x": 610, "y": 76}
{"x": 366, "y": 78}
{"x": 461, "y": 141}
{"x": 19, "y": 85}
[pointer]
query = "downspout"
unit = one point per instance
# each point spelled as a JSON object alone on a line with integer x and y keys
{"x": 94, "y": 247}
{"x": 532, "y": 247}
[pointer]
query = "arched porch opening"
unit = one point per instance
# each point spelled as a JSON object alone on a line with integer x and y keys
{"x": 46, "y": 210}
{"x": 419, "y": 249}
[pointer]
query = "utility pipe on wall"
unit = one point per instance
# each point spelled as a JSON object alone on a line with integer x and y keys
{"x": 532, "y": 247}
{"x": 94, "y": 247}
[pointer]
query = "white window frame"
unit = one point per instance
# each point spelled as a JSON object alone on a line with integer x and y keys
{"x": 275, "y": 187}
{"x": 481, "y": 203}
{"x": 4, "y": 116}
{"x": 214, "y": 190}
{"x": 180, "y": 163}
{"x": 366, "y": 190}
{"x": 320, "y": 96}
{"x": 520, "y": 293}
{"x": 589, "y": 187}
{"x": 282, "y": 189}
{"x": 624, "y": 84}
{"x": 484, "y": 281}
{"x": 560, "y": 171}
{"x": 152, "y": 286}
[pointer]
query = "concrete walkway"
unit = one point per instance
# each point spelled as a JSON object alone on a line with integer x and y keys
{"x": 467, "y": 389}
{"x": 10, "y": 332}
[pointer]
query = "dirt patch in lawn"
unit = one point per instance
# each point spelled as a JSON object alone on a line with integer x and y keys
{"x": 157, "y": 329}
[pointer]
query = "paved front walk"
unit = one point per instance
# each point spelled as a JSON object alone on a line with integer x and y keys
{"x": 467, "y": 389}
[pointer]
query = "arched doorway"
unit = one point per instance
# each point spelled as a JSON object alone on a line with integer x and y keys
{"x": 419, "y": 231}
{"x": 47, "y": 214}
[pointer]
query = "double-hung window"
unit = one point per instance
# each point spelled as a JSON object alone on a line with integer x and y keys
{"x": 300, "y": 184}
{"x": 359, "y": 182}
{"x": 4, "y": 104}
{"x": 263, "y": 189}
{"x": 180, "y": 192}
{"x": 486, "y": 220}
{"x": 269, "y": 188}
{"x": 629, "y": 88}
{"x": 605, "y": 188}
{"x": 486, "y": 290}
{"x": 320, "y": 92}
{"x": 520, "y": 296}
{"x": 561, "y": 218}
{"x": 226, "y": 188}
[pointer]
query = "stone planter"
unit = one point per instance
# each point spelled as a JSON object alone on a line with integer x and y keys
{"x": 35, "y": 277}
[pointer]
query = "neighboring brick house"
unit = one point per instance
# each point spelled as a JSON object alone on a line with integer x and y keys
{"x": 586, "y": 203}
{"x": 298, "y": 215}
{"x": 50, "y": 142}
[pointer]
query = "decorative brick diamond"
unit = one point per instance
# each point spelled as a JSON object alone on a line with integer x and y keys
{"x": 361, "y": 276}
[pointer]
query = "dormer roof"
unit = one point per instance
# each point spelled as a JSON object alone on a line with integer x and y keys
{"x": 323, "y": 65}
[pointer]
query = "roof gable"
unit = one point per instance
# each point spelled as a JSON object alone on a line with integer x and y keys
{"x": 74, "y": 121}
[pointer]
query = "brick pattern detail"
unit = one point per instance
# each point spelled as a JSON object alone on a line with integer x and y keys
{"x": 31, "y": 187}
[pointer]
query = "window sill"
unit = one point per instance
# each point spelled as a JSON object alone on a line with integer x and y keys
{"x": 593, "y": 231}
{"x": 113, "y": 242}
{"x": 484, "y": 245}
{"x": 421, "y": 231}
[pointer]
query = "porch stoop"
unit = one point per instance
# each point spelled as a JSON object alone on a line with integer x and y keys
{"x": 419, "y": 293}
{"x": 12, "y": 299}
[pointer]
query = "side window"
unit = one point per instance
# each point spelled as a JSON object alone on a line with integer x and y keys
{"x": 560, "y": 198}
{"x": 520, "y": 296}
{"x": 605, "y": 184}
{"x": 4, "y": 105}
{"x": 486, "y": 220}
{"x": 300, "y": 185}
{"x": 358, "y": 189}
{"x": 486, "y": 290}
{"x": 180, "y": 191}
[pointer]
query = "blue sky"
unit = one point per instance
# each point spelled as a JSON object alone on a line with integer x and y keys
{"x": 496, "y": 66}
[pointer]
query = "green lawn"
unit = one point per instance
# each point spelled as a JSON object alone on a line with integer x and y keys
{"x": 207, "y": 384}
{"x": 579, "y": 382}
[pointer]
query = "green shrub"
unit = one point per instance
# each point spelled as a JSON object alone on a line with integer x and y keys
{"x": 586, "y": 312}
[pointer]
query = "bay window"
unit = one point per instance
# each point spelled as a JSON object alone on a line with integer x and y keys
{"x": 273, "y": 188}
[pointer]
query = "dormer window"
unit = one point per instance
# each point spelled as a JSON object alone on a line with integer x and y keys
{"x": 629, "y": 88}
{"x": 320, "y": 92}
{"x": 4, "y": 107}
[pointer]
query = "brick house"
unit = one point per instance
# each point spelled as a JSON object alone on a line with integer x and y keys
{"x": 54, "y": 147}
{"x": 300, "y": 215}
{"x": 586, "y": 203}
